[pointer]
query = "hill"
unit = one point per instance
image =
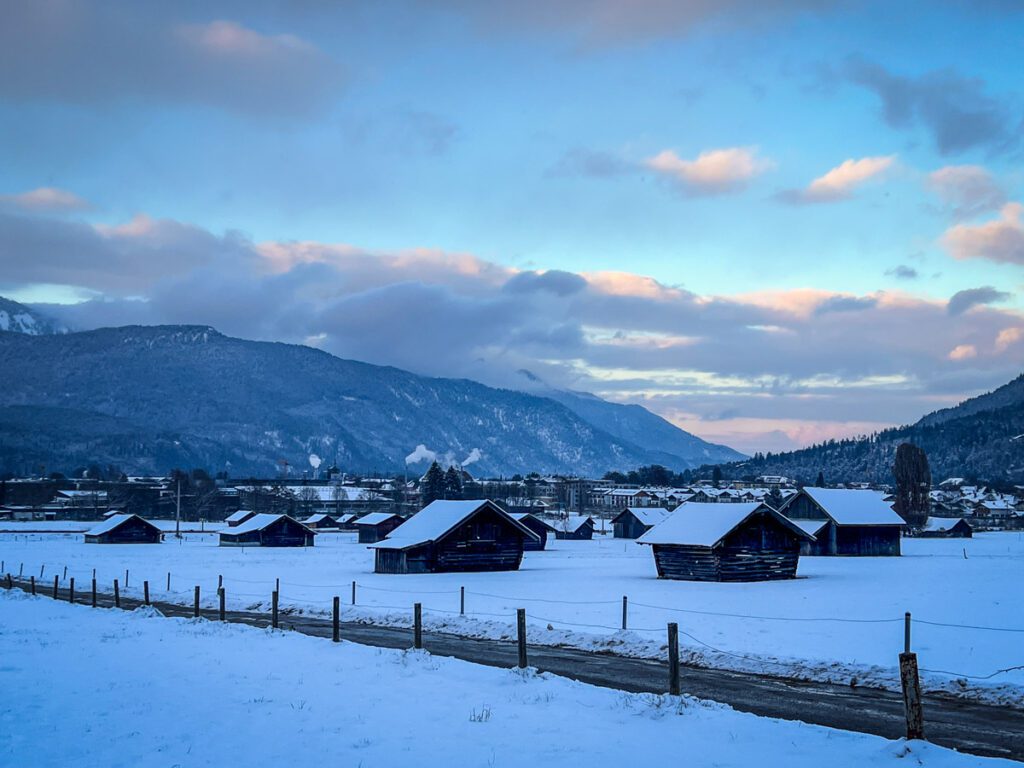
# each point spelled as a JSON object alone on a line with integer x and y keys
{"x": 17, "y": 318}
{"x": 150, "y": 398}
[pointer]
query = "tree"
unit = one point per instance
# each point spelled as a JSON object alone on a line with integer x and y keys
{"x": 453, "y": 483}
{"x": 820, "y": 482}
{"x": 913, "y": 482}
{"x": 716, "y": 476}
{"x": 774, "y": 499}
{"x": 432, "y": 488}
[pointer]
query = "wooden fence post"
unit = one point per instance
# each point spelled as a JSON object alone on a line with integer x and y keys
{"x": 673, "y": 659}
{"x": 21, "y": 569}
{"x": 221, "y": 594}
{"x": 56, "y": 580}
{"x": 417, "y": 625}
{"x": 145, "y": 592}
{"x": 65, "y": 576}
{"x": 521, "y": 634}
{"x": 220, "y": 580}
{"x": 337, "y": 620}
{"x": 462, "y": 601}
{"x": 117, "y": 594}
{"x": 41, "y": 569}
{"x": 7, "y": 582}
{"x": 126, "y": 578}
{"x": 625, "y": 610}
{"x": 71, "y": 590}
{"x": 195, "y": 604}
{"x": 911, "y": 684}
{"x": 94, "y": 592}
{"x": 168, "y": 581}
{"x": 273, "y": 615}
{"x": 353, "y": 593}
{"x": 32, "y": 583}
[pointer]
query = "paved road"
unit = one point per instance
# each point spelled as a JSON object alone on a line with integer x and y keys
{"x": 976, "y": 728}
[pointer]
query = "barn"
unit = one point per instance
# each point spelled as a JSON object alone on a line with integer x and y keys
{"x": 946, "y": 528}
{"x": 633, "y": 522}
{"x": 574, "y": 528}
{"x": 123, "y": 529}
{"x": 449, "y": 536}
{"x": 347, "y": 521}
{"x": 376, "y": 526}
{"x": 238, "y": 517}
{"x": 744, "y": 541}
{"x": 851, "y": 521}
{"x": 540, "y": 528}
{"x": 268, "y": 530}
{"x": 320, "y": 521}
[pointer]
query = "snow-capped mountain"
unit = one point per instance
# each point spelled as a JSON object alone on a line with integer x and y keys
{"x": 17, "y": 318}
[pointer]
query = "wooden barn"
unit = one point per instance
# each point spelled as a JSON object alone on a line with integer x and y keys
{"x": 268, "y": 530}
{"x": 123, "y": 529}
{"x": 743, "y": 541}
{"x": 347, "y": 522}
{"x": 946, "y": 528}
{"x": 540, "y": 528}
{"x": 376, "y": 526}
{"x": 449, "y": 536}
{"x": 574, "y": 528}
{"x": 634, "y": 522}
{"x": 239, "y": 517}
{"x": 321, "y": 521}
{"x": 846, "y": 521}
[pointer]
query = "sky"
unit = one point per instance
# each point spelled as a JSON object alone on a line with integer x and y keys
{"x": 772, "y": 223}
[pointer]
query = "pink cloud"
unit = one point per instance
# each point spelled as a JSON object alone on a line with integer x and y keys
{"x": 712, "y": 172}
{"x": 49, "y": 199}
{"x": 1001, "y": 240}
{"x": 840, "y": 182}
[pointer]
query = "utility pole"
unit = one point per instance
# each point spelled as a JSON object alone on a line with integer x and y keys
{"x": 177, "y": 513}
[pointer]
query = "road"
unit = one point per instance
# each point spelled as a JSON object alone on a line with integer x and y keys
{"x": 966, "y": 726}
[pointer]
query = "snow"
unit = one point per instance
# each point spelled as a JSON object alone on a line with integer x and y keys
{"x": 648, "y": 515}
{"x": 810, "y": 526}
{"x": 435, "y": 520}
{"x": 118, "y": 688}
{"x": 854, "y": 507}
{"x": 570, "y": 524}
{"x": 941, "y": 524}
{"x": 108, "y": 524}
{"x": 841, "y": 620}
{"x": 375, "y": 518}
{"x": 241, "y": 514}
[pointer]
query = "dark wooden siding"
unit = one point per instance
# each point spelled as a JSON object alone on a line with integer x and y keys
{"x": 584, "y": 533}
{"x": 868, "y": 540}
{"x": 539, "y": 528}
{"x": 371, "y": 534}
{"x": 962, "y": 530}
{"x": 282, "y": 533}
{"x": 626, "y": 526}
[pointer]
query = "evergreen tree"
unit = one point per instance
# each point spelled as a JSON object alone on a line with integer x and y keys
{"x": 453, "y": 483}
{"x": 774, "y": 499}
{"x": 913, "y": 482}
{"x": 716, "y": 476}
{"x": 820, "y": 482}
{"x": 433, "y": 484}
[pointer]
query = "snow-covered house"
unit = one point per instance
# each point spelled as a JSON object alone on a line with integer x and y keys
{"x": 946, "y": 528}
{"x": 376, "y": 525}
{"x": 574, "y": 527}
{"x": 742, "y": 541}
{"x": 539, "y": 527}
{"x": 454, "y": 536}
{"x": 123, "y": 529}
{"x": 845, "y": 521}
{"x": 239, "y": 517}
{"x": 320, "y": 520}
{"x": 268, "y": 530}
{"x": 636, "y": 521}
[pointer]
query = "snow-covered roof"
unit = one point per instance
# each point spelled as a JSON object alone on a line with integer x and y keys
{"x": 521, "y": 516}
{"x": 704, "y": 525}
{"x": 571, "y": 524}
{"x": 258, "y": 523}
{"x": 111, "y": 523}
{"x": 646, "y": 515}
{"x": 854, "y": 507}
{"x": 241, "y": 514}
{"x": 809, "y": 526}
{"x": 941, "y": 524}
{"x": 437, "y": 519}
{"x": 375, "y": 518}
{"x": 319, "y": 517}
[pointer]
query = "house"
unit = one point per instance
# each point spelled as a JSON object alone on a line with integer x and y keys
{"x": 574, "y": 528}
{"x": 633, "y": 522}
{"x": 376, "y": 525}
{"x": 742, "y": 541}
{"x": 449, "y": 536}
{"x": 123, "y": 529}
{"x": 347, "y": 522}
{"x": 946, "y": 528}
{"x": 540, "y": 529}
{"x": 320, "y": 521}
{"x": 845, "y": 521}
{"x": 239, "y": 517}
{"x": 268, "y": 530}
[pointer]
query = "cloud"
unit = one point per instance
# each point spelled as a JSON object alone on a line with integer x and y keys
{"x": 903, "y": 272}
{"x": 47, "y": 199}
{"x": 845, "y": 304}
{"x": 51, "y": 50}
{"x": 961, "y": 301}
{"x": 712, "y": 172}
{"x": 954, "y": 109}
{"x": 963, "y": 352}
{"x": 1001, "y": 240}
{"x": 966, "y": 190}
{"x": 1008, "y": 337}
{"x": 554, "y": 281}
{"x": 840, "y": 182}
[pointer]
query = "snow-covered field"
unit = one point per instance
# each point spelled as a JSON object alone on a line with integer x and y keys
{"x": 842, "y": 620}
{"x": 111, "y": 688}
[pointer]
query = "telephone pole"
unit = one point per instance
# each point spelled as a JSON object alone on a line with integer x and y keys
{"x": 177, "y": 513}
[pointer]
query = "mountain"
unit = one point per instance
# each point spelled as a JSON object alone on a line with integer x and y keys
{"x": 150, "y": 398}
{"x": 981, "y": 438}
{"x": 17, "y": 318}
{"x": 635, "y": 424}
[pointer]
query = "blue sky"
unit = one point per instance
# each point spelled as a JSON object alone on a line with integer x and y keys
{"x": 327, "y": 157}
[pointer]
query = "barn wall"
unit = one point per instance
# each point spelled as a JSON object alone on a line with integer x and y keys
{"x": 529, "y": 545}
{"x": 868, "y": 540}
{"x": 628, "y": 527}
{"x": 285, "y": 533}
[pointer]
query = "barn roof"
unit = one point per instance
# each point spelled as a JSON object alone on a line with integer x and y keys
{"x": 705, "y": 525}
{"x": 854, "y": 507}
{"x": 646, "y": 515}
{"x": 375, "y": 518}
{"x": 318, "y": 517}
{"x": 241, "y": 514}
{"x": 521, "y": 517}
{"x": 943, "y": 524}
{"x": 571, "y": 524}
{"x": 113, "y": 522}
{"x": 258, "y": 523}
{"x": 439, "y": 518}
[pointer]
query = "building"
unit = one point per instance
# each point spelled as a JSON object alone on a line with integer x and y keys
{"x": 268, "y": 530}
{"x": 376, "y": 526}
{"x": 320, "y": 521}
{"x": 633, "y": 522}
{"x": 946, "y": 528}
{"x": 845, "y": 522}
{"x": 239, "y": 517}
{"x": 454, "y": 536}
{"x": 540, "y": 529}
{"x": 574, "y": 528}
{"x": 123, "y": 529}
{"x": 725, "y": 542}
